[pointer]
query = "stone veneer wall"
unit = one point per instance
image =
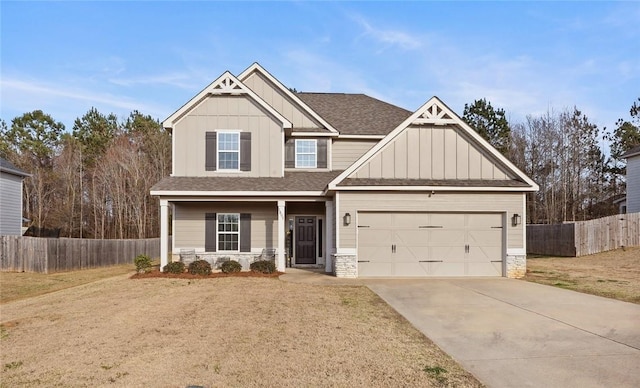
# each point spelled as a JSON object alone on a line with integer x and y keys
{"x": 516, "y": 266}
{"x": 345, "y": 265}
{"x": 214, "y": 258}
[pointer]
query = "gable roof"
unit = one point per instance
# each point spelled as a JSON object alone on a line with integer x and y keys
{"x": 635, "y": 151}
{"x": 356, "y": 114}
{"x": 257, "y": 68}
{"x": 10, "y": 168}
{"x": 293, "y": 181}
{"x": 435, "y": 112}
{"x": 227, "y": 84}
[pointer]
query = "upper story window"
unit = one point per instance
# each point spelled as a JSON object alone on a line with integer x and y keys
{"x": 229, "y": 150}
{"x": 306, "y": 153}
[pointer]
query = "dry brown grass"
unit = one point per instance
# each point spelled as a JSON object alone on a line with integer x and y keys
{"x": 216, "y": 332}
{"x": 20, "y": 285}
{"x": 613, "y": 274}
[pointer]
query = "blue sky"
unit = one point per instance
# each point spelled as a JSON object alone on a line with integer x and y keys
{"x": 524, "y": 57}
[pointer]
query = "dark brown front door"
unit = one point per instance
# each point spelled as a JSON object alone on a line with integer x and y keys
{"x": 305, "y": 240}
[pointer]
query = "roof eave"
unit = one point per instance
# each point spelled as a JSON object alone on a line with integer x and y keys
{"x": 434, "y": 188}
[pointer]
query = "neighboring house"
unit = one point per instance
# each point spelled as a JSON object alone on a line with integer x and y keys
{"x": 632, "y": 200}
{"x": 366, "y": 188}
{"x": 10, "y": 198}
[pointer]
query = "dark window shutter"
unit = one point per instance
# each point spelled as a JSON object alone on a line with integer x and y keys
{"x": 245, "y": 151}
{"x": 245, "y": 232}
{"x": 321, "y": 156}
{"x": 211, "y": 152}
{"x": 290, "y": 153}
{"x": 210, "y": 237}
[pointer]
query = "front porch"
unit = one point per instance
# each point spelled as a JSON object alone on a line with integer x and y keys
{"x": 298, "y": 231}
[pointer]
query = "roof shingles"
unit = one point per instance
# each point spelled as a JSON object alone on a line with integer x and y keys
{"x": 292, "y": 181}
{"x": 356, "y": 114}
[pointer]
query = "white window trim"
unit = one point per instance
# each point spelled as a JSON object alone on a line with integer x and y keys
{"x": 295, "y": 153}
{"x": 218, "y": 150}
{"x": 218, "y": 232}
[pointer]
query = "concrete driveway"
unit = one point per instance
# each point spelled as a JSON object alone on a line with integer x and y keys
{"x": 511, "y": 333}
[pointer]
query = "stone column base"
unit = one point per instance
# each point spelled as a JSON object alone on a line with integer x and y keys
{"x": 345, "y": 265}
{"x": 516, "y": 266}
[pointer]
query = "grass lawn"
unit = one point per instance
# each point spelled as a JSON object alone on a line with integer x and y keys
{"x": 613, "y": 274}
{"x": 20, "y": 285}
{"x": 222, "y": 332}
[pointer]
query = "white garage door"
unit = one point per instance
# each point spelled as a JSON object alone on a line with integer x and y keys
{"x": 429, "y": 244}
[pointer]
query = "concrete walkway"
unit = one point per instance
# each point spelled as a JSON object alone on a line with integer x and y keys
{"x": 512, "y": 333}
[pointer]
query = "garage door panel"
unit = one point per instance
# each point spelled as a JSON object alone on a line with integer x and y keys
{"x": 444, "y": 237}
{"x": 406, "y": 254}
{"x": 447, "y": 220}
{"x": 430, "y": 244}
{"x": 485, "y": 238}
{"x": 375, "y": 269}
{"x": 447, "y": 253}
{"x": 374, "y": 220}
{"x": 484, "y": 221}
{"x": 410, "y": 220}
{"x": 375, "y": 237}
{"x": 415, "y": 237}
{"x": 484, "y": 254}
{"x": 451, "y": 268}
{"x": 485, "y": 269}
{"x": 411, "y": 269}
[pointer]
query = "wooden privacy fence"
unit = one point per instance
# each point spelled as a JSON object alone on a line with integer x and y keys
{"x": 45, "y": 255}
{"x": 584, "y": 237}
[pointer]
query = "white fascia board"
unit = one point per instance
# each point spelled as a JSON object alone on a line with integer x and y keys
{"x": 314, "y": 134}
{"x": 362, "y": 137}
{"x": 256, "y": 67}
{"x": 436, "y": 189}
{"x": 175, "y": 199}
{"x": 414, "y": 119}
{"x": 280, "y": 194}
{"x": 172, "y": 120}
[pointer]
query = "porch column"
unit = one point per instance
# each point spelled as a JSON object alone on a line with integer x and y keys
{"x": 328, "y": 233}
{"x": 164, "y": 233}
{"x": 280, "y": 264}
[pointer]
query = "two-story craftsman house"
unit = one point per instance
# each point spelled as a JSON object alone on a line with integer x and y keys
{"x": 362, "y": 187}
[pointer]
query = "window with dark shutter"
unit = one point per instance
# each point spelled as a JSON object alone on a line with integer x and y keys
{"x": 290, "y": 153}
{"x": 245, "y": 232}
{"x": 210, "y": 237}
{"x": 245, "y": 151}
{"x": 322, "y": 153}
{"x": 211, "y": 151}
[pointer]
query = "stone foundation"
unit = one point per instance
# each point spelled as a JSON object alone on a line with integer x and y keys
{"x": 215, "y": 259}
{"x": 516, "y": 266}
{"x": 345, "y": 265}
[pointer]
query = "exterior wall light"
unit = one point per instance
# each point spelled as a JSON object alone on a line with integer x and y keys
{"x": 516, "y": 219}
{"x": 347, "y": 219}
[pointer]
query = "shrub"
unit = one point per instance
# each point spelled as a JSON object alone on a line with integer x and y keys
{"x": 231, "y": 266}
{"x": 263, "y": 266}
{"x": 143, "y": 263}
{"x": 174, "y": 267}
{"x": 200, "y": 267}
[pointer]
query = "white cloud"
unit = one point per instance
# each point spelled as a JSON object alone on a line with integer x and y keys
{"x": 179, "y": 80}
{"x": 64, "y": 101}
{"x": 388, "y": 37}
